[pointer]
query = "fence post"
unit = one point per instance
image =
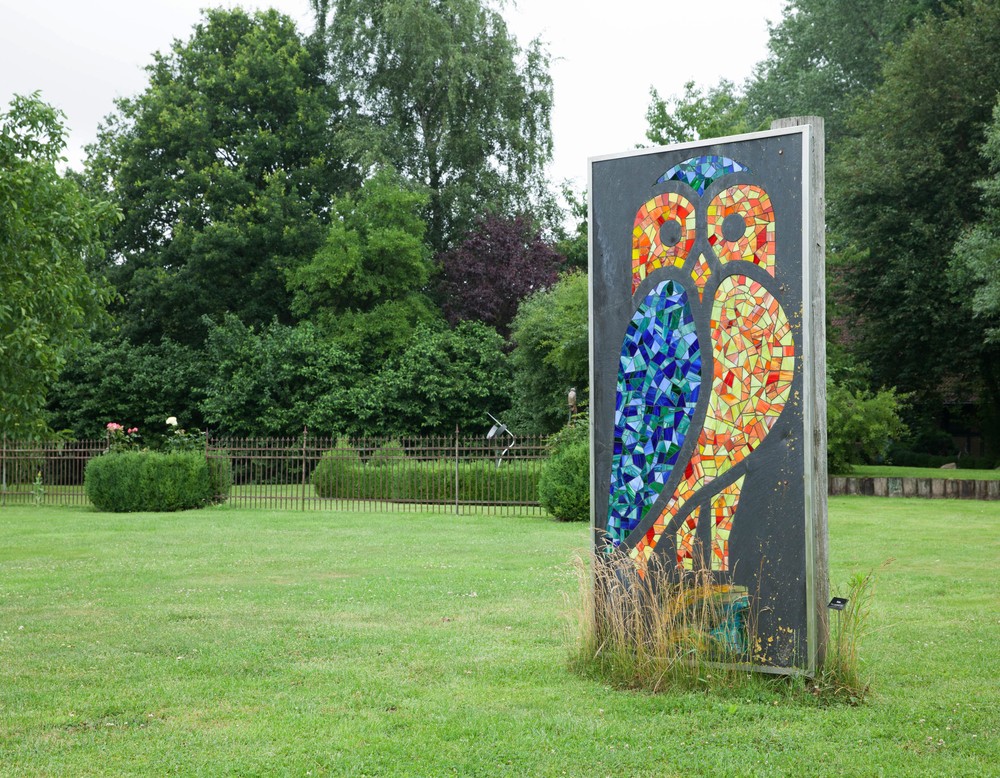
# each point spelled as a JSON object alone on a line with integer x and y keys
{"x": 4, "y": 470}
{"x": 305, "y": 434}
{"x": 456, "y": 469}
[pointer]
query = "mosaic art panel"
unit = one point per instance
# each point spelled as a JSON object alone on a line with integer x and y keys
{"x": 700, "y": 172}
{"x": 753, "y": 363}
{"x": 724, "y": 486}
{"x": 649, "y": 251}
{"x": 659, "y": 378}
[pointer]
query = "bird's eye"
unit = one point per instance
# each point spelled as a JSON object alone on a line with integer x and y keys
{"x": 740, "y": 226}
{"x": 733, "y": 227}
{"x": 670, "y": 233}
{"x": 662, "y": 234}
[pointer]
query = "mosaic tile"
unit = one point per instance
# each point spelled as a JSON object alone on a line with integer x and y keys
{"x": 700, "y": 275}
{"x": 756, "y": 244}
{"x": 649, "y": 251}
{"x": 701, "y": 172}
{"x": 723, "y": 509}
{"x": 687, "y": 538}
{"x": 753, "y": 366}
{"x": 659, "y": 378}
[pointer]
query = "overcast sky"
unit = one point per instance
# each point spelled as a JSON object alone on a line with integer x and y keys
{"x": 82, "y": 54}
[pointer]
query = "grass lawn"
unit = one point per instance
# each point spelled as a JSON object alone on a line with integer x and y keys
{"x": 236, "y": 642}
{"x": 891, "y": 471}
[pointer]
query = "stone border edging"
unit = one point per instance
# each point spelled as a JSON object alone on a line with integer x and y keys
{"x": 931, "y": 488}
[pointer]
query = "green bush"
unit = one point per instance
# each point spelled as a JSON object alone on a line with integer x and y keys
{"x": 148, "y": 481}
{"x": 389, "y": 454}
{"x": 564, "y": 485}
{"x": 338, "y": 471}
{"x": 220, "y": 478}
{"x": 861, "y": 426}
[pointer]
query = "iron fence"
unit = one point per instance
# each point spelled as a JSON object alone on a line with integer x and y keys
{"x": 460, "y": 473}
{"x": 45, "y": 473}
{"x": 429, "y": 473}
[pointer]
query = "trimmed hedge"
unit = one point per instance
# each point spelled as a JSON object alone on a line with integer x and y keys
{"x": 390, "y": 475}
{"x": 564, "y": 487}
{"x": 152, "y": 481}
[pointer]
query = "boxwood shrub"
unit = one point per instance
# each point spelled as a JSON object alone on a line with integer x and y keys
{"x": 152, "y": 481}
{"x": 564, "y": 486}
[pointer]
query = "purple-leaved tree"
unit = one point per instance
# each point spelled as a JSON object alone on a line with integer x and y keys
{"x": 499, "y": 263}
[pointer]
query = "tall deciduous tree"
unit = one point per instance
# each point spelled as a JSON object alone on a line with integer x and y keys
{"x": 223, "y": 168}
{"x": 904, "y": 192}
{"x": 710, "y": 113}
{"x": 47, "y": 228}
{"x": 365, "y": 285}
{"x": 499, "y": 263}
{"x": 824, "y": 54}
{"x": 975, "y": 261}
{"x": 449, "y": 98}
{"x": 551, "y": 354}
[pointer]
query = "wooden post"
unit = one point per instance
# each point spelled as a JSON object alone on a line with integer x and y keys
{"x": 814, "y": 375}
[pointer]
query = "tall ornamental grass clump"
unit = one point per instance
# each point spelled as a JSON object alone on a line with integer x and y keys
{"x": 151, "y": 481}
{"x": 667, "y": 629}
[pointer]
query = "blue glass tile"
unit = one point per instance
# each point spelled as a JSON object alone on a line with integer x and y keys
{"x": 659, "y": 377}
{"x": 701, "y": 172}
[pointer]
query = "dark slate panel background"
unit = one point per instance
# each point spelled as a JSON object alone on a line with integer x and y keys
{"x": 768, "y": 539}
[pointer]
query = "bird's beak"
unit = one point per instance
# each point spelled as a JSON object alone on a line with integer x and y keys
{"x": 700, "y": 275}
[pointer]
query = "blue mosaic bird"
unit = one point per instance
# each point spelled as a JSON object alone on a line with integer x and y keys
{"x": 659, "y": 379}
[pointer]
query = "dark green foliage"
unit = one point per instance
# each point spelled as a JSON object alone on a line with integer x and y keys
{"x": 341, "y": 473}
{"x": 903, "y": 457}
{"x": 223, "y": 167}
{"x": 389, "y": 327}
{"x": 112, "y": 379}
{"x": 573, "y": 244}
{"x": 150, "y": 481}
{"x": 365, "y": 286}
{"x": 551, "y": 355}
{"x": 276, "y": 380}
{"x": 564, "y": 485}
{"x": 48, "y": 227}
{"x": 388, "y": 454}
{"x": 444, "y": 377}
{"x": 861, "y": 426}
{"x": 374, "y": 250}
{"x": 904, "y": 190}
{"x": 975, "y": 261}
{"x": 444, "y": 93}
{"x": 220, "y": 478}
{"x": 826, "y": 54}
